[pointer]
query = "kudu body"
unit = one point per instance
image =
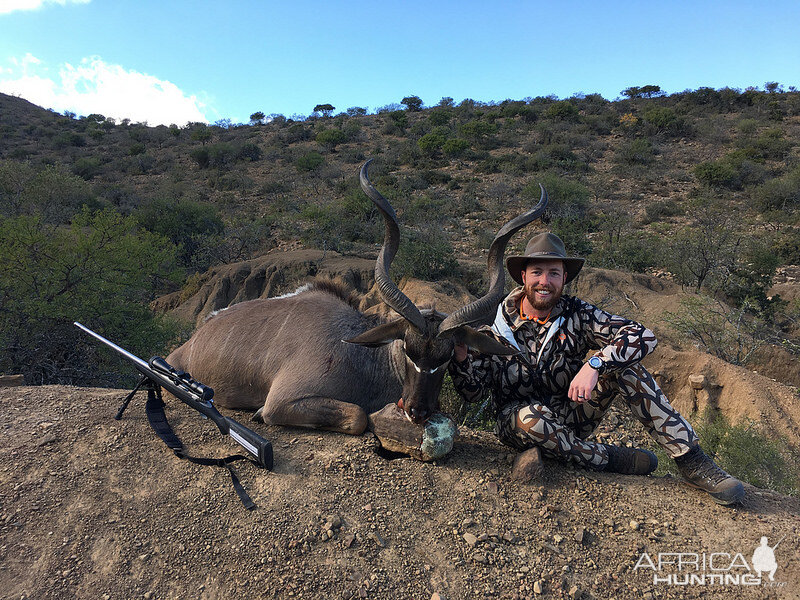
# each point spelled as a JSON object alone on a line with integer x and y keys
{"x": 312, "y": 359}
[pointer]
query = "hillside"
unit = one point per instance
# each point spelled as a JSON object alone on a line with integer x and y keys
{"x": 701, "y": 188}
{"x": 96, "y": 508}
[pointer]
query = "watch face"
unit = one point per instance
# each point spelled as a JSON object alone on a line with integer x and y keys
{"x": 595, "y": 362}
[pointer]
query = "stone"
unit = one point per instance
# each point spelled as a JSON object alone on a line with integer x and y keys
{"x": 698, "y": 382}
{"x": 574, "y": 592}
{"x": 580, "y": 535}
{"x": 376, "y": 537}
{"x": 492, "y": 488}
{"x": 537, "y": 587}
{"x": 12, "y": 380}
{"x": 437, "y": 596}
{"x": 348, "y": 540}
{"x": 634, "y": 525}
{"x": 470, "y": 539}
{"x": 528, "y": 466}
{"x": 427, "y": 442}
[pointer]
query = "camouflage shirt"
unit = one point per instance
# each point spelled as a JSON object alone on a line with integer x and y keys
{"x": 550, "y": 354}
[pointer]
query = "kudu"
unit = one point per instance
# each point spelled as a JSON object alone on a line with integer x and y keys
{"x": 311, "y": 359}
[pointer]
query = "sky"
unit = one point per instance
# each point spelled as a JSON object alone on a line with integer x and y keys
{"x": 178, "y": 61}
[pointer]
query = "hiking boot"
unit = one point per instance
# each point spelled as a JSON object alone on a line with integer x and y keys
{"x": 630, "y": 461}
{"x": 698, "y": 470}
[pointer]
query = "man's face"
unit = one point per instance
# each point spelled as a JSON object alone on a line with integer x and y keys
{"x": 543, "y": 281}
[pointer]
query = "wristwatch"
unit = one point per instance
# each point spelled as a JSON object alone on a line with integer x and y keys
{"x": 598, "y": 364}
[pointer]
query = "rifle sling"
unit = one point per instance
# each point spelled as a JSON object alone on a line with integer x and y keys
{"x": 158, "y": 421}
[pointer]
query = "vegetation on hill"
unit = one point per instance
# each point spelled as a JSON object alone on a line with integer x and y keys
{"x": 703, "y": 185}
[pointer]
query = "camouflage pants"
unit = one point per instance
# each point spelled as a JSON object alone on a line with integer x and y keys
{"x": 560, "y": 427}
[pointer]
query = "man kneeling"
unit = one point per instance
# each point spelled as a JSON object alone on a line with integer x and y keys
{"x": 548, "y": 400}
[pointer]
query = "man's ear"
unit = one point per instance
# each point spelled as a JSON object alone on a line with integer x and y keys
{"x": 381, "y": 335}
{"x": 483, "y": 343}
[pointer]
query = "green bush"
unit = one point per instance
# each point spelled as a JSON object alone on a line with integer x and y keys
{"x": 427, "y": 255}
{"x": 193, "y": 227}
{"x": 330, "y": 138}
{"x": 639, "y": 151}
{"x": 455, "y": 147}
{"x": 745, "y": 452}
{"x": 716, "y": 173}
{"x": 102, "y": 270}
{"x": 431, "y": 143}
{"x": 249, "y": 151}
{"x": 562, "y": 110}
{"x": 50, "y": 192}
{"x": 309, "y": 161}
{"x": 87, "y": 168}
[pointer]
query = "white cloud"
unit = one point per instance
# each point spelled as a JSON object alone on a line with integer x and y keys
{"x": 95, "y": 86}
{"x": 7, "y": 6}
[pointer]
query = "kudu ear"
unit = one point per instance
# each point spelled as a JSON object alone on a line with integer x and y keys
{"x": 381, "y": 335}
{"x": 480, "y": 341}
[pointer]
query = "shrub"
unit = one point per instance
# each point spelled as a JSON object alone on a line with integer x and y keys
{"x": 191, "y": 226}
{"x": 658, "y": 210}
{"x": 49, "y": 192}
{"x": 732, "y": 334}
{"x": 455, "y": 147}
{"x": 330, "y": 138}
{"x": 431, "y": 143}
{"x": 309, "y": 161}
{"x": 716, "y": 173}
{"x": 427, "y": 255}
{"x": 639, "y": 151}
{"x": 563, "y": 110}
{"x": 102, "y": 270}
{"x": 86, "y": 168}
{"x": 744, "y": 451}
{"x": 136, "y": 149}
{"x": 249, "y": 151}
{"x": 782, "y": 194}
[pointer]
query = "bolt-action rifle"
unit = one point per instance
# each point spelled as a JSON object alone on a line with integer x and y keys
{"x": 158, "y": 373}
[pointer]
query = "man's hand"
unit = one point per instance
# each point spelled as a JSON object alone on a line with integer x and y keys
{"x": 582, "y": 386}
{"x": 460, "y": 352}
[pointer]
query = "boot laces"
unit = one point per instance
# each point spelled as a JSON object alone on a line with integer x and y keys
{"x": 703, "y": 466}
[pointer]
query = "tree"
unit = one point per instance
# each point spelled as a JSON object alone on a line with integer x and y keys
{"x": 356, "y": 111}
{"x": 257, "y": 118}
{"x": 101, "y": 270}
{"x": 325, "y": 109}
{"x": 412, "y": 103}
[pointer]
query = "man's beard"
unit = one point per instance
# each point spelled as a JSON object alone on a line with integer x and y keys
{"x": 543, "y": 303}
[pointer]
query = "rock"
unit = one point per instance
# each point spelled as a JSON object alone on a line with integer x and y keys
{"x": 348, "y": 540}
{"x": 634, "y": 525}
{"x": 470, "y": 539}
{"x": 480, "y": 558}
{"x": 528, "y": 466}
{"x": 12, "y": 380}
{"x": 492, "y": 488}
{"x": 574, "y": 592}
{"x": 698, "y": 382}
{"x": 376, "y": 537}
{"x": 537, "y": 587}
{"x": 509, "y": 537}
{"x": 580, "y": 535}
{"x": 425, "y": 442}
{"x": 437, "y": 596}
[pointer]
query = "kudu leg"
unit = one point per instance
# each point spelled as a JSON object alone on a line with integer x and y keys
{"x": 316, "y": 412}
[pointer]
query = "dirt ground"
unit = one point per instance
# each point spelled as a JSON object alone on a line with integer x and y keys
{"x": 96, "y": 508}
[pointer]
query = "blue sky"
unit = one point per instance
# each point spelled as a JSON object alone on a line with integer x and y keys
{"x": 175, "y": 61}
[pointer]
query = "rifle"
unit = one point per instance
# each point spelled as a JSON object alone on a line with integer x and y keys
{"x": 158, "y": 373}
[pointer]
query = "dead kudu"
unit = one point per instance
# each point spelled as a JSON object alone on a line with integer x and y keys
{"x": 311, "y": 359}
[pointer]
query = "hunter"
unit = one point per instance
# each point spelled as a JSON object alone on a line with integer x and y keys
{"x": 548, "y": 398}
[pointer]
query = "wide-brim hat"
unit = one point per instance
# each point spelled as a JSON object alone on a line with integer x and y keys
{"x": 545, "y": 246}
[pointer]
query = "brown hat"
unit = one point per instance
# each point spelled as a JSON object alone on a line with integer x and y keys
{"x": 545, "y": 246}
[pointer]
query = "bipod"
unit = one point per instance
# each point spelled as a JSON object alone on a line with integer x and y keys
{"x": 148, "y": 385}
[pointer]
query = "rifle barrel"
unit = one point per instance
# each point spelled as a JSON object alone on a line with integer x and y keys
{"x": 132, "y": 357}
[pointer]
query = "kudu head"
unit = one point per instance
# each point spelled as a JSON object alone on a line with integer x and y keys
{"x": 429, "y": 337}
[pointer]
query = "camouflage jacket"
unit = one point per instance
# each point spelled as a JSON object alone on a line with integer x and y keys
{"x": 550, "y": 354}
